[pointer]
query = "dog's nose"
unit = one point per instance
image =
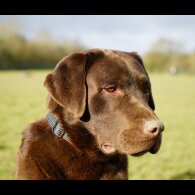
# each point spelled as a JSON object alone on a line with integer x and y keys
{"x": 154, "y": 128}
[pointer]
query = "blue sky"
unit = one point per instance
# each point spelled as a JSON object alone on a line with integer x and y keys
{"x": 129, "y": 33}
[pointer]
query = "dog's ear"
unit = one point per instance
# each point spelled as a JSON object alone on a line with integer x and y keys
{"x": 67, "y": 83}
{"x": 151, "y": 101}
{"x": 139, "y": 59}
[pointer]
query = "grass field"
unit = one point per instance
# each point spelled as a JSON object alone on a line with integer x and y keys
{"x": 23, "y": 99}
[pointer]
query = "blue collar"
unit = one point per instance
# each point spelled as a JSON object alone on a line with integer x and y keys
{"x": 57, "y": 130}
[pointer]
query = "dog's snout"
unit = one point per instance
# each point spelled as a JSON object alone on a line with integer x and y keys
{"x": 154, "y": 128}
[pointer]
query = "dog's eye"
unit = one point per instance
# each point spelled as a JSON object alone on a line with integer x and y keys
{"x": 110, "y": 89}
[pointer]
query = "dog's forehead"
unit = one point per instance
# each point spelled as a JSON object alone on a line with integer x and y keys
{"x": 116, "y": 65}
{"x": 132, "y": 63}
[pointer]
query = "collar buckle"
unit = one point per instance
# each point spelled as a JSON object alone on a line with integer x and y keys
{"x": 58, "y": 131}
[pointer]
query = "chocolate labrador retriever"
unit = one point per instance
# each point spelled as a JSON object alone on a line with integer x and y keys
{"x": 100, "y": 110}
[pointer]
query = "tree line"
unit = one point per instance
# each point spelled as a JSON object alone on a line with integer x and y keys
{"x": 169, "y": 56}
{"x": 17, "y": 52}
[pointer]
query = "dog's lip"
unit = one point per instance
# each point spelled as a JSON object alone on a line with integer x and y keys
{"x": 153, "y": 149}
{"x": 107, "y": 148}
{"x": 139, "y": 153}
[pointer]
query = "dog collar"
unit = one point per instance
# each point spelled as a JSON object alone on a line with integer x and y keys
{"x": 57, "y": 130}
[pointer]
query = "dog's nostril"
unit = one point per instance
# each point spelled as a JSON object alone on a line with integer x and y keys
{"x": 153, "y": 128}
{"x": 152, "y": 131}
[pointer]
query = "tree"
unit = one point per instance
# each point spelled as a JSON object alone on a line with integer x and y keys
{"x": 167, "y": 54}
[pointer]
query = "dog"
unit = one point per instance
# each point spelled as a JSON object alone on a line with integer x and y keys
{"x": 101, "y": 109}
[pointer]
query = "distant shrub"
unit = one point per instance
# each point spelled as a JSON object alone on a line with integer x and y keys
{"x": 166, "y": 55}
{"x": 16, "y": 52}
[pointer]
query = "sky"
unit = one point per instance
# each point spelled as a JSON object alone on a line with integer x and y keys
{"x": 120, "y": 32}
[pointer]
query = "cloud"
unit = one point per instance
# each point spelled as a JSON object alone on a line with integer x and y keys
{"x": 116, "y": 32}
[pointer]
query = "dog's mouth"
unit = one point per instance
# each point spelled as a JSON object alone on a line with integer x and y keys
{"x": 107, "y": 148}
{"x": 153, "y": 149}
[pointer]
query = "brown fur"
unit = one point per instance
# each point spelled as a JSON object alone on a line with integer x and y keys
{"x": 91, "y": 114}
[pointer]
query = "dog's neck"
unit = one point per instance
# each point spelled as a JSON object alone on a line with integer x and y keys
{"x": 79, "y": 135}
{"x": 59, "y": 131}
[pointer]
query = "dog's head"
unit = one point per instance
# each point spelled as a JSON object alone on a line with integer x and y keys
{"x": 109, "y": 92}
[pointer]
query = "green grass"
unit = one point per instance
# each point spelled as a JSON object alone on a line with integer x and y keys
{"x": 175, "y": 106}
{"x": 23, "y": 100}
